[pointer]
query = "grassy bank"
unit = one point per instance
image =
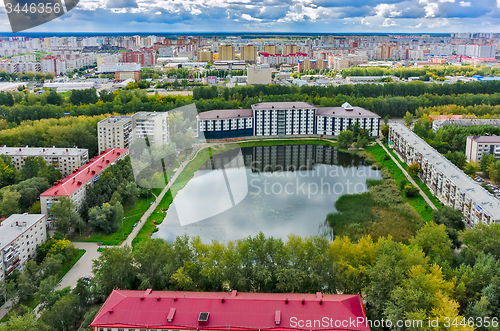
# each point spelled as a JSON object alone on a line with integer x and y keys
{"x": 131, "y": 216}
{"x": 418, "y": 202}
{"x": 380, "y": 212}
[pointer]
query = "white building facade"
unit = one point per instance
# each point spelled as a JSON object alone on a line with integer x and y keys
{"x": 477, "y": 146}
{"x": 114, "y": 132}
{"x": 20, "y": 234}
{"x": 64, "y": 159}
{"x": 448, "y": 183}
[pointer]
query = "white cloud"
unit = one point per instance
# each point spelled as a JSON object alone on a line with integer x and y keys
{"x": 158, "y": 13}
{"x": 250, "y": 18}
{"x": 465, "y": 4}
{"x": 388, "y": 10}
{"x": 388, "y": 23}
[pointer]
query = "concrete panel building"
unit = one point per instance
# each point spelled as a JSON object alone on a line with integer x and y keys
{"x": 75, "y": 185}
{"x": 64, "y": 159}
{"x": 447, "y": 182}
{"x": 20, "y": 234}
{"x": 259, "y": 75}
{"x": 114, "y": 132}
{"x": 477, "y": 146}
{"x": 206, "y": 56}
{"x": 152, "y": 125}
{"x": 438, "y": 124}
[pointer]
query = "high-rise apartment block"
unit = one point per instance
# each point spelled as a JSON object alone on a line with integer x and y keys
{"x": 249, "y": 53}
{"x": 145, "y": 56}
{"x": 151, "y": 125}
{"x": 114, "y": 132}
{"x": 290, "y": 49}
{"x": 52, "y": 64}
{"x": 226, "y": 52}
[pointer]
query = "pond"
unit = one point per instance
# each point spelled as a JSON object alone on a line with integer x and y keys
{"x": 277, "y": 190}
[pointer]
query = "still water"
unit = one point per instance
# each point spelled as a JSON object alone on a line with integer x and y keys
{"x": 276, "y": 190}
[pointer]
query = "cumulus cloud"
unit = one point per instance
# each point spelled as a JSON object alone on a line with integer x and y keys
{"x": 279, "y": 15}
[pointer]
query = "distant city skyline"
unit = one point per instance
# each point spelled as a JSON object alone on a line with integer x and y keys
{"x": 298, "y": 16}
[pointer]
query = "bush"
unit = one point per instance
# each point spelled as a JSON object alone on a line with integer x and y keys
{"x": 411, "y": 191}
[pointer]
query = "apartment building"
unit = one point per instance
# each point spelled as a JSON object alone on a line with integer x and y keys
{"x": 162, "y": 310}
{"x": 477, "y": 146}
{"x": 64, "y": 159}
{"x": 52, "y": 64}
{"x": 259, "y": 75}
{"x": 152, "y": 125}
{"x": 20, "y": 234}
{"x": 290, "y": 49}
{"x": 146, "y": 57}
{"x": 333, "y": 120}
{"x": 271, "y": 49}
{"x": 114, "y": 132}
{"x": 75, "y": 185}
{"x": 447, "y": 182}
{"x": 206, "y": 56}
{"x": 249, "y": 53}
{"x": 438, "y": 124}
{"x": 226, "y": 52}
{"x": 283, "y": 119}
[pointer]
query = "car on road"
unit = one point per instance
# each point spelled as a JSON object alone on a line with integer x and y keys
{"x": 135, "y": 224}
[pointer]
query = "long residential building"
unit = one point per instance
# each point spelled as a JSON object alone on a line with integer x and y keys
{"x": 20, "y": 234}
{"x": 75, "y": 185}
{"x": 165, "y": 310}
{"x": 285, "y": 119}
{"x": 64, "y": 159}
{"x": 438, "y": 124}
{"x": 477, "y": 146}
{"x": 447, "y": 182}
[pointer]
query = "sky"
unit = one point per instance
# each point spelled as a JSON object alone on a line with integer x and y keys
{"x": 297, "y": 16}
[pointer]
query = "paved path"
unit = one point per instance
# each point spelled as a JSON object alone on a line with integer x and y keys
{"x": 82, "y": 268}
{"x": 4, "y": 310}
{"x": 157, "y": 201}
{"x": 426, "y": 198}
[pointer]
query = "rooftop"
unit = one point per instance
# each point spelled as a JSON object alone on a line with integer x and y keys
{"x": 82, "y": 175}
{"x": 464, "y": 182}
{"x": 42, "y": 151}
{"x": 225, "y": 114}
{"x": 15, "y": 225}
{"x": 282, "y": 105}
{"x": 469, "y": 121}
{"x": 218, "y": 311}
{"x": 116, "y": 119}
{"x": 352, "y": 112}
{"x": 485, "y": 139}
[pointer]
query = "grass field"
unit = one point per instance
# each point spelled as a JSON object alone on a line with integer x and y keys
{"x": 418, "y": 202}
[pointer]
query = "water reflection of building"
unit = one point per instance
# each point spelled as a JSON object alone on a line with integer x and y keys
{"x": 281, "y": 158}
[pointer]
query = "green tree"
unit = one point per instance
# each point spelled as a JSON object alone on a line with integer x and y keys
{"x": 152, "y": 258}
{"x": 408, "y": 118}
{"x": 482, "y": 238}
{"x": 64, "y": 215}
{"x": 434, "y": 241}
{"x": 114, "y": 269}
{"x": 486, "y": 160}
{"x": 458, "y": 158}
{"x": 345, "y": 139}
{"x": 494, "y": 171}
{"x": 10, "y": 202}
{"x": 386, "y": 119}
{"x": 27, "y": 322}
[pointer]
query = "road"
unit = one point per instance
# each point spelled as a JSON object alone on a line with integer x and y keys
{"x": 81, "y": 268}
{"x": 426, "y": 198}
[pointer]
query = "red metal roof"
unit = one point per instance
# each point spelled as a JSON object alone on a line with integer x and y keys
{"x": 71, "y": 183}
{"x": 240, "y": 311}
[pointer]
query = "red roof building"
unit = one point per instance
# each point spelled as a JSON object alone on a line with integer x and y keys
{"x": 75, "y": 185}
{"x": 162, "y": 310}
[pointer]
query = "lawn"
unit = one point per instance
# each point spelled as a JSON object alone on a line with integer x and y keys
{"x": 418, "y": 202}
